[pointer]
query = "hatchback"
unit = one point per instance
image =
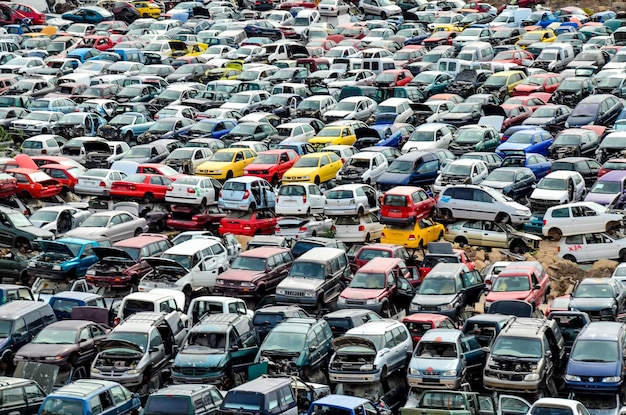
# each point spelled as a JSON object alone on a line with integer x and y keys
{"x": 90, "y": 397}
{"x": 246, "y": 193}
{"x": 350, "y": 199}
{"x": 403, "y": 205}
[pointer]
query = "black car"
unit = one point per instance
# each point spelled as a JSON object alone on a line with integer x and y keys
{"x": 514, "y": 182}
{"x": 191, "y": 72}
{"x": 551, "y": 116}
{"x": 573, "y": 90}
{"x": 574, "y": 142}
{"x": 283, "y": 105}
{"x": 467, "y": 82}
{"x": 587, "y": 167}
{"x": 599, "y": 109}
{"x": 463, "y": 114}
{"x": 294, "y": 74}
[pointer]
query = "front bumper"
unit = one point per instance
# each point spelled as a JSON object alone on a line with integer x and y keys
{"x": 122, "y": 378}
{"x": 350, "y": 304}
{"x": 121, "y": 281}
{"x": 596, "y": 386}
{"x": 242, "y": 292}
{"x": 299, "y": 300}
{"x": 47, "y": 273}
{"x": 514, "y": 382}
{"x": 354, "y": 377}
{"x": 91, "y": 191}
{"x": 434, "y": 382}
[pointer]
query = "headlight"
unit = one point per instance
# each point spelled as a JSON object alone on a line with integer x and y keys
{"x": 219, "y": 282}
{"x": 341, "y": 300}
{"x": 280, "y": 291}
{"x": 612, "y": 379}
{"x": 367, "y": 368}
{"x": 306, "y": 177}
{"x": 414, "y": 307}
{"x": 94, "y": 370}
{"x": 531, "y": 377}
{"x": 134, "y": 372}
{"x": 218, "y": 171}
{"x": 450, "y": 373}
{"x": 248, "y": 284}
{"x": 90, "y": 272}
{"x": 522, "y": 212}
{"x": 309, "y": 294}
{"x": 372, "y": 301}
{"x": 446, "y": 307}
{"x": 56, "y": 268}
{"x": 414, "y": 371}
{"x": 572, "y": 378}
{"x": 31, "y": 265}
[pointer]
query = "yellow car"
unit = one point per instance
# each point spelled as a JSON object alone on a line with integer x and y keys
{"x": 226, "y": 163}
{"x": 446, "y": 28}
{"x": 546, "y": 36}
{"x": 333, "y": 135}
{"x": 501, "y": 84}
{"x": 314, "y": 167}
{"x": 424, "y": 231}
{"x": 196, "y": 49}
{"x": 147, "y": 9}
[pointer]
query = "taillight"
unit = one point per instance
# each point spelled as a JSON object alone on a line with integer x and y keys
{"x": 304, "y": 198}
{"x": 190, "y": 190}
{"x": 103, "y": 184}
{"x": 303, "y": 229}
{"x": 382, "y": 234}
{"x": 170, "y": 188}
{"x": 277, "y": 229}
{"x": 361, "y": 228}
{"x": 220, "y": 193}
{"x": 133, "y": 188}
{"x": 246, "y": 194}
{"x": 544, "y": 222}
{"x": 411, "y": 238}
{"x": 44, "y": 151}
{"x": 333, "y": 228}
{"x": 116, "y": 321}
{"x": 558, "y": 249}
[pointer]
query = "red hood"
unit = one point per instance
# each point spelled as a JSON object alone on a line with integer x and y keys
{"x": 259, "y": 167}
{"x": 512, "y": 295}
{"x": 240, "y": 275}
{"x": 527, "y": 88}
{"x": 361, "y": 293}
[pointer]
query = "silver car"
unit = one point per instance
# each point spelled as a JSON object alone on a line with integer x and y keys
{"x": 114, "y": 225}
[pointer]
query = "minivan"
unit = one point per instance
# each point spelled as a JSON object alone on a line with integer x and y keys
{"x": 416, "y": 168}
{"x": 263, "y": 396}
{"x": 91, "y": 397}
{"x": 20, "y": 321}
{"x": 315, "y": 278}
{"x": 184, "y": 399}
{"x": 234, "y": 37}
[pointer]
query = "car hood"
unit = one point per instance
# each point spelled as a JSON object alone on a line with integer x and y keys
{"x": 394, "y": 178}
{"x": 366, "y": 132}
{"x": 240, "y": 275}
{"x": 490, "y": 109}
{"x": 433, "y": 299}
{"x": 546, "y": 194}
{"x": 512, "y": 146}
{"x": 537, "y": 120}
{"x": 456, "y": 116}
{"x": 108, "y": 251}
{"x": 512, "y": 295}
{"x": 351, "y": 341}
{"x": 302, "y": 171}
{"x": 601, "y": 198}
{"x": 165, "y": 263}
{"x": 300, "y": 283}
{"x": 86, "y": 233}
{"x": 337, "y": 113}
{"x": 112, "y": 344}
{"x": 598, "y": 369}
{"x": 52, "y": 246}
{"x": 260, "y": 166}
{"x": 360, "y": 293}
{"x": 43, "y": 350}
{"x": 584, "y": 304}
{"x": 495, "y": 184}
{"x": 433, "y": 365}
{"x": 97, "y": 147}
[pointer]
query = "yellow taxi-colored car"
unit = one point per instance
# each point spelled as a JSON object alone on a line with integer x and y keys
{"x": 315, "y": 167}
{"x": 226, "y": 163}
{"x": 501, "y": 84}
{"x": 196, "y": 49}
{"x": 147, "y": 9}
{"x": 424, "y": 231}
{"x": 333, "y": 135}
{"x": 446, "y": 28}
{"x": 528, "y": 38}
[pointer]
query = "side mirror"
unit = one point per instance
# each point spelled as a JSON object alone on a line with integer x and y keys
{"x": 549, "y": 354}
{"x": 485, "y": 349}
{"x": 312, "y": 348}
{"x": 82, "y": 340}
{"x": 154, "y": 350}
{"x": 537, "y": 287}
{"x": 234, "y": 348}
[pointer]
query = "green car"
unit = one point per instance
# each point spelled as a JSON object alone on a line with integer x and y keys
{"x": 474, "y": 138}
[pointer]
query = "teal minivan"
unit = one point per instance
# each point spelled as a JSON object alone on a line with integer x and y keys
{"x": 91, "y": 397}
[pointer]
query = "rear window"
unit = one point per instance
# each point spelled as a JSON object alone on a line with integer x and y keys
{"x": 135, "y": 306}
{"x": 339, "y": 325}
{"x": 247, "y": 401}
{"x": 291, "y": 191}
{"x": 235, "y": 186}
{"x": 268, "y": 319}
{"x": 171, "y": 405}
{"x": 32, "y": 144}
{"x": 302, "y": 247}
{"x": 395, "y": 200}
{"x": 418, "y": 329}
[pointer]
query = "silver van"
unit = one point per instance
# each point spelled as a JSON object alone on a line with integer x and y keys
{"x": 262, "y": 396}
{"x": 476, "y": 51}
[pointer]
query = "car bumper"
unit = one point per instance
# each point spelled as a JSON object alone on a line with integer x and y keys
{"x": 47, "y": 274}
{"x": 301, "y": 301}
{"x": 91, "y": 191}
{"x": 127, "y": 194}
{"x": 386, "y": 220}
{"x": 220, "y": 176}
{"x": 123, "y": 379}
{"x": 186, "y": 225}
{"x": 374, "y": 307}
{"x": 354, "y": 377}
{"x": 596, "y": 387}
{"x": 452, "y": 314}
{"x": 209, "y": 379}
{"x": 433, "y": 382}
{"x": 120, "y": 281}
{"x": 235, "y": 292}
{"x": 228, "y": 205}
{"x": 352, "y": 237}
{"x": 293, "y": 210}
{"x": 183, "y": 200}
{"x": 340, "y": 211}
{"x": 506, "y": 385}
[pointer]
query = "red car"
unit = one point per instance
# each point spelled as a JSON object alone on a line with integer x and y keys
{"x": 96, "y": 41}
{"x": 65, "y": 161}
{"x": 393, "y": 77}
{"x": 526, "y": 281}
{"x": 8, "y": 185}
{"x": 248, "y": 223}
{"x": 368, "y": 252}
{"x": 30, "y": 12}
{"x": 443, "y": 251}
{"x": 610, "y": 165}
{"x": 440, "y": 38}
{"x": 35, "y": 184}
{"x": 518, "y": 57}
{"x": 148, "y": 187}
{"x": 160, "y": 169}
{"x": 66, "y": 175}
{"x": 288, "y": 5}
{"x": 514, "y": 115}
{"x": 271, "y": 164}
{"x": 190, "y": 218}
{"x": 419, "y": 323}
{"x": 541, "y": 82}
{"x": 532, "y": 101}
{"x": 405, "y": 205}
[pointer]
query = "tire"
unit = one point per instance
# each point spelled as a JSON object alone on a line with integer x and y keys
{"x": 229, "y": 175}
{"x": 503, "y": 218}
{"x": 446, "y": 214}
{"x": 274, "y": 181}
{"x": 383, "y": 373}
{"x": 612, "y": 226}
{"x": 440, "y": 236}
{"x": 385, "y": 310}
{"x": 317, "y": 180}
{"x": 203, "y": 202}
{"x": 128, "y": 137}
{"x": 518, "y": 247}
{"x": 361, "y": 211}
{"x": 148, "y": 197}
{"x": 367, "y": 238}
{"x": 44, "y": 131}
{"x": 556, "y": 234}
{"x": 570, "y": 258}
{"x": 138, "y": 231}
{"x": 622, "y": 255}
{"x": 252, "y": 207}
{"x": 461, "y": 240}
{"x": 383, "y": 15}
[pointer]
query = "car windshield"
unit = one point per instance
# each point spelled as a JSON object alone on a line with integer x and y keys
{"x": 207, "y": 340}
{"x": 400, "y": 167}
{"x": 18, "y": 220}
{"x": 422, "y": 136}
{"x": 266, "y": 159}
{"x": 501, "y": 176}
{"x": 44, "y": 216}
{"x": 585, "y": 110}
{"x": 605, "y": 187}
{"x": 436, "y": 350}
{"x": 517, "y": 347}
{"x": 345, "y": 106}
{"x": 437, "y": 286}
{"x": 222, "y": 156}
{"x": 521, "y": 137}
{"x": 593, "y": 291}
{"x": 184, "y": 260}
{"x": 457, "y": 170}
{"x": 307, "y": 162}
{"x": 139, "y": 339}
{"x": 568, "y": 139}
{"x": 59, "y": 406}
{"x": 249, "y": 263}
{"x": 508, "y": 284}
{"x": 55, "y": 336}
{"x": 340, "y": 194}
{"x": 595, "y": 351}
{"x": 549, "y": 183}
{"x": 368, "y": 280}
{"x": 469, "y": 136}
{"x": 307, "y": 270}
{"x": 281, "y": 341}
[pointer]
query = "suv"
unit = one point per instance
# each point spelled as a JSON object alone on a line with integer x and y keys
{"x": 213, "y": 347}
{"x": 86, "y": 397}
{"x": 28, "y": 403}
{"x": 158, "y": 301}
{"x": 525, "y": 357}
{"x": 184, "y": 399}
{"x": 341, "y": 321}
{"x": 478, "y": 202}
{"x": 266, "y": 318}
{"x": 215, "y": 304}
{"x": 526, "y": 281}
{"x": 122, "y": 265}
{"x": 254, "y": 273}
{"x": 306, "y": 244}
{"x": 138, "y": 349}
{"x": 298, "y": 345}
{"x": 315, "y": 278}
{"x": 359, "y": 355}
{"x": 64, "y": 259}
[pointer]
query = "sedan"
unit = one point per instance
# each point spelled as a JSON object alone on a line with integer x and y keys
{"x": 539, "y": 165}
{"x": 193, "y": 190}
{"x": 88, "y": 14}
{"x": 514, "y": 182}
{"x": 490, "y": 234}
{"x": 114, "y": 225}
{"x": 245, "y": 223}
{"x": 302, "y": 227}
{"x": 574, "y": 142}
{"x": 58, "y": 219}
{"x": 351, "y": 108}
{"x": 69, "y": 341}
{"x": 332, "y": 7}
{"x": 535, "y": 140}
{"x": 246, "y": 102}
{"x": 97, "y": 182}
{"x": 146, "y": 187}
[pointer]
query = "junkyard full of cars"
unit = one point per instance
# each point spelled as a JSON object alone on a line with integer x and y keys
{"x": 263, "y": 207}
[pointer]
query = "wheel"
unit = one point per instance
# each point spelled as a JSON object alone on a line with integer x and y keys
{"x": 73, "y": 360}
{"x": 138, "y": 231}
{"x": 556, "y": 234}
{"x": 274, "y": 181}
{"x": 385, "y": 310}
{"x": 148, "y": 198}
{"x": 440, "y": 236}
{"x": 252, "y": 207}
{"x": 44, "y": 131}
{"x": 22, "y": 244}
{"x": 622, "y": 255}
{"x": 446, "y": 214}
{"x": 317, "y": 180}
{"x": 128, "y": 137}
{"x": 229, "y": 175}
{"x": 383, "y": 16}
{"x": 203, "y": 202}
{"x": 461, "y": 240}
{"x": 518, "y": 247}
{"x": 361, "y": 211}
{"x": 383, "y": 373}
{"x": 503, "y": 218}
{"x": 314, "y": 234}
{"x": 570, "y": 258}
{"x": 612, "y": 226}
{"x": 367, "y": 237}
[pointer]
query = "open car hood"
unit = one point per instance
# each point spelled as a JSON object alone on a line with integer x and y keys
{"x": 491, "y": 109}
{"x": 96, "y": 147}
{"x": 443, "y": 248}
{"x": 108, "y": 344}
{"x": 95, "y": 314}
{"x": 421, "y": 108}
{"x": 347, "y": 341}
{"x": 385, "y": 118}
{"x": 165, "y": 263}
{"x": 466, "y": 75}
{"x": 366, "y": 132}
{"x": 52, "y": 246}
{"x": 297, "y": 50}
{"x": 103, "y": 252}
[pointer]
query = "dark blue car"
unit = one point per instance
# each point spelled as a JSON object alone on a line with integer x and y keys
{"x": 532, "y": 140}
{"x": 416, "y": 168}
{"x": 539, "y": 165}
{"x": 205, "y": 128}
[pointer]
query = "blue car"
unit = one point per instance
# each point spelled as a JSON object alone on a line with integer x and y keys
{"x": 379, "y": 135}
{"x": 539, "y": 165}
{"x": 532, "y": 140}
{"x": 447, "y": 355}
{"x": 301, "y": 148}
{"x": 596, "y": 362}
{"x": 62, "y": 303}
{"x": 208, "y": 128}
{"x": 84, "y": 54}
{"x": 347, "y": 405}
{"x": 416, "y": 168}
{"x": 63, "y": 259}
{"x": 90, "y": 397}
{"x": 88, "y": 14}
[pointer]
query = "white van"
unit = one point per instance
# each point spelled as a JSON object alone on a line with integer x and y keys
{"x": 477, "y": 51}
{"x": 377, "y": 65}
{"x": 234, "y": 37}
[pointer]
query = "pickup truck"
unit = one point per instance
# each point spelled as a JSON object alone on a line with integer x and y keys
{"x": 440, "y": 402}
{"x": 44, "y": 289}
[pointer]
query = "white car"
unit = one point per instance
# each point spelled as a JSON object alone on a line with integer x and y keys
{"x": 58, "y": 219}
{"x": 620, "y": 273}
{"x": 299, "y": 199}
{"x": 295, "y": 132}
{"x": 468, "y": 171}
{"x": 365, "y": 167}
{"x": 43, "y": 144}
{"x": 216, "y": 304}
{"x": 187, "y": 158}
{"x": 428, "y": 136}
{"x": 557, "y": 188}
{"x": 365, "y": 228}
{"x": 332, "y": 7}
{"x": 97, "y": 182}
{"x": 194, "y": 190}
{"x": 351, "y": 108}
{"x": 246, "y": 102}
{"x": 579, "y": 217}
{"x": 382, "y": 8}
{"x": 114, "y": 225}
{"x": 590, "y": 247}
{"x": 353, "y": 78}
{"x": 36, "y": 122}
{"x": 350, "y": 199}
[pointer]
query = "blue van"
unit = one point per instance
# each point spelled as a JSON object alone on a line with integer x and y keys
{"x": 347, "y": 405}
{"x": 129, "y": 54}
{"x": 91, "y": 397}
{"x": 596, "y": 362}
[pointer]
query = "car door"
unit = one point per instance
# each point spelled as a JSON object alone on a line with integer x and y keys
{"x": 596, "y": 246}
{"x": 127, "y": 225}
{"x": 473, "y": 356}
{"x": 484, "y": 206}
{"x": 474, "y": 284}
{"x": 492, "y": 235}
